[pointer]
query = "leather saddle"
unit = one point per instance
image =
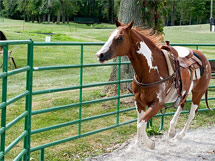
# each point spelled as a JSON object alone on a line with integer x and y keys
{"x": 191, "y": 61}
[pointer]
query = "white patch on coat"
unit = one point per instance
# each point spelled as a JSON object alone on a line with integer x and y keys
{"x": 182, "y": 51}
{"x": 206, "y": 71}
{"x": 107, "y": 45}
{"x": 159, "y": 96}
{"x": 161, "y": 91}
{"x": 139, "y": 115}
{"x": 191, "y": 87}
{"x": 183, "y": 93}
{"x": 145, "y": 51}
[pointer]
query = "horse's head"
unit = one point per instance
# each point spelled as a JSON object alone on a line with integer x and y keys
{"x": 118, "y": 43}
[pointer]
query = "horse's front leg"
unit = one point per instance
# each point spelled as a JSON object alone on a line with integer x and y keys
{"x": 141, "y": 127}
{"x": 140, "y": 114}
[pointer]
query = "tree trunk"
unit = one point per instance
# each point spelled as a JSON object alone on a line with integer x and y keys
{"x": 190, "y": 20}
{"x": 44, "y": 18}
{"x": 63, "y": 17}
{"x": 58, "y": 17}
{"x": 53, "y": 19}
{"x": 173, "y": 13}
{"x": 111, "y": 10}
{"x": 49, "y": 14}
{"x": 129, "y": 10}
{"x": 180, "y": 20}
{"x": 67, "y": 19}
{"x": 39, "y": 19}
{"x": 27, "y": 19}
{"x": 49, "y": 18}
{"x": 32, "y": 20}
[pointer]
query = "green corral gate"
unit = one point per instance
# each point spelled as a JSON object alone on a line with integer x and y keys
{"x": 28, "y": 113}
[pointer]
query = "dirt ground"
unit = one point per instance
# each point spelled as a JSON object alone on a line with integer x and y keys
{"x": 197, "y": 145}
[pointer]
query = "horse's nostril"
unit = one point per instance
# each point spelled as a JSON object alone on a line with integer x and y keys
{"x": 101, "y": 55}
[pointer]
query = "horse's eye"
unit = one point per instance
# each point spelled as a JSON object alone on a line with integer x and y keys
{"x": 119, "y": 38}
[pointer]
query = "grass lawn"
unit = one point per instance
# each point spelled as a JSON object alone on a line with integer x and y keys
{"x": 47, "y": 56}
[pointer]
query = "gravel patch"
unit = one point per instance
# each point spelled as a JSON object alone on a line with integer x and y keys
{"x": 197, "y": 145}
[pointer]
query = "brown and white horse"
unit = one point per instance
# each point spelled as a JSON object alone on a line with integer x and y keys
{"x": 150, "y": 66}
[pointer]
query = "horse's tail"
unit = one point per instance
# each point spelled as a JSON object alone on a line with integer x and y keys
{"x": 2, "y": 36}
{"x": 206, "y": 100}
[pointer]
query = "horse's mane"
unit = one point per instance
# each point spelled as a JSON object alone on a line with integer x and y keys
{"x": 153, "y": 36}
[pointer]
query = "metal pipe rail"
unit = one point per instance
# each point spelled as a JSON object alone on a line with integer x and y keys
{"x": 28, "y": 94}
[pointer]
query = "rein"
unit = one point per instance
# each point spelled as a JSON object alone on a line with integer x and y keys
{"x": 147, "y": 85}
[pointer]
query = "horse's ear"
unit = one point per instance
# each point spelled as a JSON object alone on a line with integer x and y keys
{"x": 118, "y": 23}
{"x": 129, "y": 26}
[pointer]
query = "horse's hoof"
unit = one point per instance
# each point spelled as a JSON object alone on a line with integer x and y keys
{"x": 151, "y": 145}
{"x": 171, "y": 133}
{"x": 137, "y": 144}
{"x": 179, "y": 136}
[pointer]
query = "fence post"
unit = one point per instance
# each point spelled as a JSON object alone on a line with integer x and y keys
{"x": 162, "y": 122}
{"x": 118, "y": 90}
{"x": 42, "y": 154}
{"x": 80, "y": 94}
{"x": 4, "y": 99}
{"x": 28, "y": 103}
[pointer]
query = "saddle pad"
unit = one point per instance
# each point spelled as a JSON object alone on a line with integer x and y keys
{"x": 196, "y": 74}
{"x": 169, "y": 64}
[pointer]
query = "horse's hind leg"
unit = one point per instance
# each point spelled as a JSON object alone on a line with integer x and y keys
{"x": 173, "y": 122}
{"x": 190, "y": 118}
{"x": 196, "y": 98}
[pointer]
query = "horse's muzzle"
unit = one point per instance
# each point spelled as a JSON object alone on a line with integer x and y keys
{"x": 102, "y": 57}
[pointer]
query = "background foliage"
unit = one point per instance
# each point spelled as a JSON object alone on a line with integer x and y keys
{"x": 155, "y": 12}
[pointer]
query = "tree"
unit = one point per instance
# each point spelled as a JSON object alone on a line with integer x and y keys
{"x": 10, "y": 9}
{"x": 173, "y": 12}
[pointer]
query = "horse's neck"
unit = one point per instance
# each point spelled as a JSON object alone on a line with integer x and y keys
{"x": 142, "y": 57}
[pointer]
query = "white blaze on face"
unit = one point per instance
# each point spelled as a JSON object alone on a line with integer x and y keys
{"x": 145, "y": 51}
{"x": 107, "y": 45}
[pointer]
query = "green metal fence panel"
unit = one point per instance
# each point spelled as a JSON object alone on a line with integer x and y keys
{"x": 3, "y": 106}
{"x": 4, "y": 100}
{"x": 28, "y": 94}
